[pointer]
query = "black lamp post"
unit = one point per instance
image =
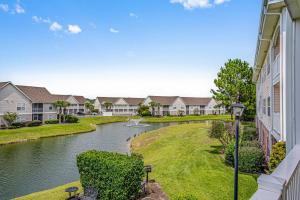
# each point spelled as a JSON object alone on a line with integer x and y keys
{"x": 237, "y": 109}
{"x": 148, "y": 169}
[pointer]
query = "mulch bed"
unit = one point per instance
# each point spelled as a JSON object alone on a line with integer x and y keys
{"x": 154, "y": 192}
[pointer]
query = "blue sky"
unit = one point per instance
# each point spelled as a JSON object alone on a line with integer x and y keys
{"x": 124, "y": 47}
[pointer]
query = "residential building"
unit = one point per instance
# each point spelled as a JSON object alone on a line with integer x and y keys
{"x": 34, "y": 103}
{"x": 76, "y": 103}
{"x": 175, "y": 105}
{"x": 277, "y": 66}
{"x": 120, "y": 105}
{"x": 12, "y": 99}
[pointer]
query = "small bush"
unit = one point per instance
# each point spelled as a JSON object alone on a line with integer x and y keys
{"x": 51, "y": 121}
{"x": 229, "y": 154}
{"x": 277, "y": 155}
{"x": 12, "y": 127}
{"x": 146, "y": 113}
{"x": 249, "y": 133}
{"x": 116, "y": 176}
{"x": 253, "y": 143}
{"x": 19, "y": 124}
{"x": 217, "y": 129}
{"x": 251, "y": 159}
{"x": 34, "y": 123}
{"x": 71, "y": 119}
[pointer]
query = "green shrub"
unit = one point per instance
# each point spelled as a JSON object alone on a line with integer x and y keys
{"x": 253, "y": 143}
{"x": 186, "y": 197}
{"x": 229, "y": 154}
{"x": 116, "y": 176}
{"x": 146, "y": 113}
{"x": 51, "y": 121}
{"x": 217, "y": 129}
{"x": 249, "y": 133}
{"x": 12, "y": 127}
{"x": 34, "y": 123}
{"x": 19, "y": 124}
{"x": 251, "y": 159}
{"x": 71, "y": 119}
{"x": 277, "y": 155}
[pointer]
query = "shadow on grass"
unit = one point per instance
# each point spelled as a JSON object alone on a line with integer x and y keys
{"x": 216, "y": 149}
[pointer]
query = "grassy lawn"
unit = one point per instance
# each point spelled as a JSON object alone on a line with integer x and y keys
{"x": 186, "y": 161}
{"x": 57, "y": 193}
{"x": 185, "y": 118}
{"x": 31, "y": 133}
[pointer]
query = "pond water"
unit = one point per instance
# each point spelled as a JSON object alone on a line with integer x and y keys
{"x": 46, "y": 163}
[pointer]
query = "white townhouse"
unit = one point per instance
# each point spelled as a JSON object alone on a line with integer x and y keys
{"x": 276, "y": 74}
{"x": 125, "y": 106}
{"x": 173, "y": 105}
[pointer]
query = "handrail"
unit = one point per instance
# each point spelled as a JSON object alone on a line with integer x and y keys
{"x": 284, "y": 182}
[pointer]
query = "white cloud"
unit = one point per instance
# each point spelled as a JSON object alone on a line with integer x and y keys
{"x": 55, "y": 27}
{"x": 19, "y": 9}
{"x": 4, "y": 7}
{"x": 74, "y": 29}
{"x": 190, "y": 4}
{"x": 133, "y": 15}
{"x": 112, "y": 30}
{"x": 218, "y": 2}
{"x": 37, "y": 19}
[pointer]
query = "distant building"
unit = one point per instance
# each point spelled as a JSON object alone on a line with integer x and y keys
{"x": 175, "y": 105}
{"x": 121, "y": 106}
{"x": 34, "y": 103}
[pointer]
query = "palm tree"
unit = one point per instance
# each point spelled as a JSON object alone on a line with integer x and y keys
{"x": 89, "y": 106}
{"x": 61, "y": 106}
{"x": 158, "y": 108}
{"x": 152, "y": 104}
{"x": 108, "y": 105}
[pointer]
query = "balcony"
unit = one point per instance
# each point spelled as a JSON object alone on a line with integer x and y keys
{"x": 37, "y": 110}
{"x": 284, "y": 182}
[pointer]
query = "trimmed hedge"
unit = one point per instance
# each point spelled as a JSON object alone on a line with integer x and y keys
{"x": 51, "y": 121}
{"x": 116, "y": 176}
{"x": 71, "y": 119}
{"x": 253, "y": 143}
{"x": 251, "y": 159}
{"x": 34, "y": 123}
{"x": 277, "y": 155}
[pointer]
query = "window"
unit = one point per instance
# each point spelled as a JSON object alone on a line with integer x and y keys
{"x": 276, "y": 97}
{"x": 269, "y": 106}
{"x": 50, "y": 107}
{"x": 21, "y": 107}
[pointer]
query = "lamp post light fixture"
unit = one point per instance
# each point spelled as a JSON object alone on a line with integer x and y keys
{"x": 148, "y": 169}
{"x": 238, "y": 109}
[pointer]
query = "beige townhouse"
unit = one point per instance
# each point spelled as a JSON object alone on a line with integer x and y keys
{"x": 276, "y": 74}
{"x": 76, "y": 103}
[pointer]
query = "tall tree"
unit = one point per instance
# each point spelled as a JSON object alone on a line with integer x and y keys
{"x": 234, "y": 83}
{"x": 61, "y": 106}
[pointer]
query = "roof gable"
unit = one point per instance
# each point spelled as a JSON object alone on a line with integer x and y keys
{"x": 196, "y": 100}
{"x": 133, "y": 101}
{"x": 80, "y": 99}
{"x": 36, "y": 94}
{"x": 164, "y": 100}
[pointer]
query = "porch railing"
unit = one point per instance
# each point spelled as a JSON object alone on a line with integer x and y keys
{"x": 284, "y": 182}
{"x": 276, "y": 66}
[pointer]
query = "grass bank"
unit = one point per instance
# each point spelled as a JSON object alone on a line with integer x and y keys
{"x": 31, "y": 133}
{"x": 185, "y": 118}
{"x": 187, "y": 162}
{"x": 57, "y": 193}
